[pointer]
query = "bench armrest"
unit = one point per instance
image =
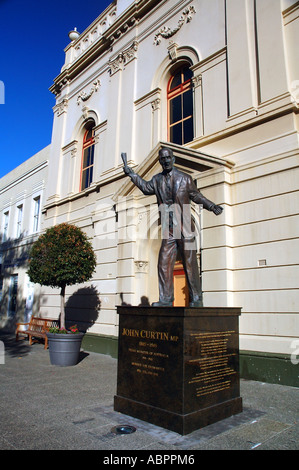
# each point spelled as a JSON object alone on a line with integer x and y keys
{"x": 20, "y": 327}
{"x": 22, "y": 323}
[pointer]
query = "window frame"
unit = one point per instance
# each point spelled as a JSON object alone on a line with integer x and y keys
{"x": 19, "y": 219}
{"x": 179, "y": 91}
{"x": 36, "y": 210}
{"x": 88, "y": 143}
{"x": 6, "y": 216}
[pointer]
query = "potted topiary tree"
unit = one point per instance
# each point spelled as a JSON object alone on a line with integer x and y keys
{"x": 61, "y": 257}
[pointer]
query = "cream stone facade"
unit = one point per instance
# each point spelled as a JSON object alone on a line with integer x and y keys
{"x": 243, "y": 155}
{"x": 21, "y": 200}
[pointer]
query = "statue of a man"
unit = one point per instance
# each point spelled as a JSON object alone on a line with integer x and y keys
{"x": 174, "y": 190}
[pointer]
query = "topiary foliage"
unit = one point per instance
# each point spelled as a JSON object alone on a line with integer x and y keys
{"x": 61, "y": 257}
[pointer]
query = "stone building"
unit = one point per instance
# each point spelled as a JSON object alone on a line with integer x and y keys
{"x": 218, "y": 82}
{"x": 21, "y": 200}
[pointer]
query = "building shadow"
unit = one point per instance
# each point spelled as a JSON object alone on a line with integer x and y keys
{"x": 82, "y": 308}
{"x": 12, "y": 347}
{"x": 14, "y": 255}
{"x": 123, "y": 303}
{"x": 144, "y": 301}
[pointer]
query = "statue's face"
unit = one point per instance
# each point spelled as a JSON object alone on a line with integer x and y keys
{"x": 166, "y": 160}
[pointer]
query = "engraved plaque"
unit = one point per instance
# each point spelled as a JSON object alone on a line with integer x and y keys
{"x": 178, "y": 367}
{"x": 151, "y": 359}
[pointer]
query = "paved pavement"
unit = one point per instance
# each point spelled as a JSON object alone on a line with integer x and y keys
{"x": 45, "y": 407}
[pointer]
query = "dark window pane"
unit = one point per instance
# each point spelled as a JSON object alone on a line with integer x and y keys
{"x": 177, "y": 80}
{"x": 188, "y": 130}
{"x": 88, "y": 135}
{"x": 87, "y": 168}
{"x": 89, "y": 161}
{"x": 180, "y": 99}
{"x": 90, "y": 175}
{"x": 187, "y": 103}
{"x": 91, "y": 152}
{"x": 85, "y": 158}
{"x": 175, "y": 108}
{"x": 88, "y": 156}
{"x": 84, "y": 180}
{"x": 176, "y": 134}
{"x": 187, "y": 74}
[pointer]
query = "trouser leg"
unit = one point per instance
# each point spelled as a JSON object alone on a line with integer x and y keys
{"x": 191, "y": 270}
{"x": 167, "y": 258}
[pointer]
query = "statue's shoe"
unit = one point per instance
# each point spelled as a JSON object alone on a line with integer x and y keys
{"x": 196, "y": 303}
{"x": 162, "y": 304}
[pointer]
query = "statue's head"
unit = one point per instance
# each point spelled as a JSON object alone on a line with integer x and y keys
{"x": 166, "y": 159}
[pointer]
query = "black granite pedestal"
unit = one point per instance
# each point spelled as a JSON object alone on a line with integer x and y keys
{"x": 178, "y": 367}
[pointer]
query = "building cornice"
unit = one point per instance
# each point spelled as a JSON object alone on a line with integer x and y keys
{"x": 24, "y": 176}
{"x": 128, "y": 19}
{"x": 259, "y": 119}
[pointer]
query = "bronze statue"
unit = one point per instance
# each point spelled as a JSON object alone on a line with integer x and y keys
{"x": 174, "y": 190}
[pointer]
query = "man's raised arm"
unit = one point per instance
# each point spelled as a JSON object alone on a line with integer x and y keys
{"x": 145, "y": 186}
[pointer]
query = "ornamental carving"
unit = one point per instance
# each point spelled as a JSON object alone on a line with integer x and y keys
{"x": 197, "y": 80}
{"x": 85, "y": 96}
{"x": 123, "y": 58}
{"x": 61, "y": 107}
{"x": 156, "y": 104}
{"x": 130, "y": 53}
{"x": 141, "y": 266}
{"x": 167, "y": 32}
{"x": 116, "y": 64}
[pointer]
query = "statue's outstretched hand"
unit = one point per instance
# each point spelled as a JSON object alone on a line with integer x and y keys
{"x": 217, "y": 209}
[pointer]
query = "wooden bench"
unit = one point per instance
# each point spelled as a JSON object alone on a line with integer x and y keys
{"x": 36, "y": 328}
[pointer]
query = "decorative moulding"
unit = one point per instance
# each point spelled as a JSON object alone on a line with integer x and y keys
{"x": 197, "y": 80}
{"x": 116, "y": 64}
{"x": 109, "y": 31}
{"x": 123, "y": 58}
{"x": 156, "y": 104}
{"x": 172, "y": 51}
{"x": 167, "y": 32}
{"x": 71, "y": 148}
{"x": 85, "y": 111}
{"x": 123, "y": 29}
{"x": 83, "y": 96}
{"x": 152, "y": 98}
{"x": 141, "y": 266}
{"x": 61, "y": 107}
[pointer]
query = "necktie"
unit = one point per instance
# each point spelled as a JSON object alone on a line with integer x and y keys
{"x": 168, "y": 207}
{"x": 168, "y": 189}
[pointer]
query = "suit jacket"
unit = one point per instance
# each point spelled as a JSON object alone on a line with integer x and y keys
{"x": 183, "y": 190}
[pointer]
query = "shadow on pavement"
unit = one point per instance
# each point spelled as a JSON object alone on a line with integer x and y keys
{"x": 15, "y": 348}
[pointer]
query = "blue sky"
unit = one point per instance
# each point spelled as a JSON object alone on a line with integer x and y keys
{"x": 33, "y": 37}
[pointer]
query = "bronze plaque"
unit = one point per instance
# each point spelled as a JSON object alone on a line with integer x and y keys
{"x": 177, "y": 366}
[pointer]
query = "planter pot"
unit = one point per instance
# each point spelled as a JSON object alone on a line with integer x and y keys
{"x": 64, "y": 349}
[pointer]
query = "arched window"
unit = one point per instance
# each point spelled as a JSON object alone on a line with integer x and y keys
{"x": 88, "y": 156}
{"x": 180, "y": 106}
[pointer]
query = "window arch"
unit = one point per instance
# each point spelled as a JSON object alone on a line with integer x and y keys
{"x": 180, "y": 106}
{"x": 87, "y": 155}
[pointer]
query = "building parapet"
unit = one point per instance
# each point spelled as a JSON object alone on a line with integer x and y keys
{"x": 99, "y": 37}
